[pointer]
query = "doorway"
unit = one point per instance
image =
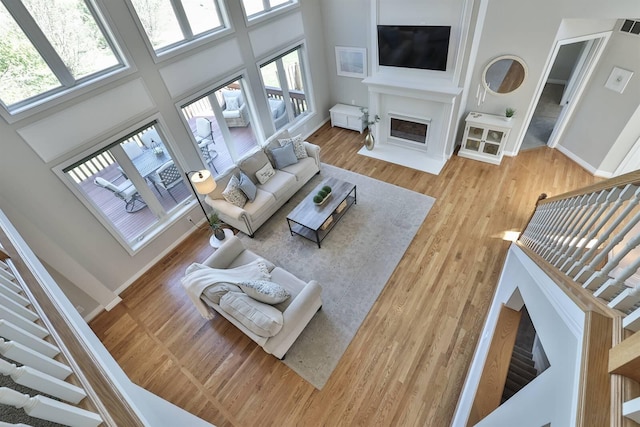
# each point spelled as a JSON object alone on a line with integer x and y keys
{"x": 566, "y": 75}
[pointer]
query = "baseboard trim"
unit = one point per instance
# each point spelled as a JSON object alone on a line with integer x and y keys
{"x": 583, "y": 164}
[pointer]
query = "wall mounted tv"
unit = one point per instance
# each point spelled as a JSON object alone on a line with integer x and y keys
{"x": 423, "y": 47}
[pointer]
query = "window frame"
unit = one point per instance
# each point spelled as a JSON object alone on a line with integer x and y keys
{"x": 300, "y": 45}
{"x": 185, "y": 44}
{"x": 165, "y": 219}
{"x": 268, "y": 13}
{"x": 241, "y": 76}
{"x": 71, "y": 87}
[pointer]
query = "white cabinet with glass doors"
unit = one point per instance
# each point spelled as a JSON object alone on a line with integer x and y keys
{"x": 484, "y": 137}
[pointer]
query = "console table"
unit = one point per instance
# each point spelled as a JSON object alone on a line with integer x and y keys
{"x": 484, "y": 137}
{"x": 347, "y": 116}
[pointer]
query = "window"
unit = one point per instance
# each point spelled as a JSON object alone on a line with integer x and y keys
{"x": 133, "y": 184}
{"x": 284, "y": 79}
{"x": 49, "y": 46}
{"x": 255, "y": 8}
{"x": 221, "y": 124}
{"x": 172, "y": 23}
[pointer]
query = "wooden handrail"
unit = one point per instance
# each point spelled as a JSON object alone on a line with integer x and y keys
{"x": 619, "y": 181}
{"x": 101, "y": 391}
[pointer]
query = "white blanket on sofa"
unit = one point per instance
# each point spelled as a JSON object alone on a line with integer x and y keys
{"x": 199, "y": 276}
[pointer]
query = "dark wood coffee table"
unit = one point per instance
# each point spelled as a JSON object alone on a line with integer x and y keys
{"x": 311, "y": 221}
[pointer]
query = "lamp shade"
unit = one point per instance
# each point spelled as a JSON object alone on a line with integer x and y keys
{"x": 203, "y": 182}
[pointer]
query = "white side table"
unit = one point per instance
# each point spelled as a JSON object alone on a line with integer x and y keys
{"x": 347, "y": 116}
{"x": 215, "y": 243}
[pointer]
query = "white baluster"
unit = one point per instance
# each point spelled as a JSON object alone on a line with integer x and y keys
{"x": 14, "y": 296}
{"x": 626, "y": 300}
{"x": 23, "y": 323}
{"x": 565, "y": 234}
{"x": 42, "y": 382}
{"x": 11, "y": 285}
{"x": 532, "y": 234}
{"x": 48, "y": 409}
{"x": 550, "y": 223}
{"x": 12, "y": 332}
{"x": 604, "y": 200}
{"x": 578, "y": 231}
{"x": 632, "y": 321}
{"x": 596, "y": 279}
{"x": 17, "y": 308}
{"x": 22, "y": 354}
{"x": 7, "y": 275}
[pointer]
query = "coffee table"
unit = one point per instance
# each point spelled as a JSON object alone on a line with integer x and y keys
{"x": 313, "y": 221}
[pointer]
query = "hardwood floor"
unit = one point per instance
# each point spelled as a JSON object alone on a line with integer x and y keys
{"x": 407, "y": 363}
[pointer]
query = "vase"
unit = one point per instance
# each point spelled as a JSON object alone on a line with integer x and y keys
{"x": 219, "y": 233}
{"x": 369, "y": 140}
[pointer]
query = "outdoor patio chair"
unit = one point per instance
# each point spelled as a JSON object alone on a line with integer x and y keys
{"x": 125, "y": 192}
{"x": 167, "y": 177}
{"x": 204, "y": 130}
{"x": 208, "y": 155}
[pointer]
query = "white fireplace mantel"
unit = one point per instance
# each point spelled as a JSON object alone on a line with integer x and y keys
{"x": 438, "y": 99}
{"x": 428, "y": 89}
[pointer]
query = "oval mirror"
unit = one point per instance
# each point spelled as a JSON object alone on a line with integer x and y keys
{"x": 504, "y": 74}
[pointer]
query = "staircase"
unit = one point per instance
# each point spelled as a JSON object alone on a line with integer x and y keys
{"x": 521, "y": 372}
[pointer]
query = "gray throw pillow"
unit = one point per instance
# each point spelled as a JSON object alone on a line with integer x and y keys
{"x": 248, "y": 187}
{"x": 264, "y": 291}
{"x": 284, "y": 156}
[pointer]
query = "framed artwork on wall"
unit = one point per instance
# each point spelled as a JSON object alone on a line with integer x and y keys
{"x": 351, "y": 61}
{"x": 618, "y": 79}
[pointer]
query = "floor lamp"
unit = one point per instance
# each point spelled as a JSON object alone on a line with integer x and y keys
{"x": 203, "y": 183}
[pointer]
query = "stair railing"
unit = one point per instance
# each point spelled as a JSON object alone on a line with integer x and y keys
{"x": 589, "y": 241}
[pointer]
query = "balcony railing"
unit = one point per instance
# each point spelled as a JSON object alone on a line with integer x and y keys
{"x": 588, "y": 241}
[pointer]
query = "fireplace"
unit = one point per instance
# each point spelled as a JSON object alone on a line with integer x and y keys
{"x": 410, "y": 132}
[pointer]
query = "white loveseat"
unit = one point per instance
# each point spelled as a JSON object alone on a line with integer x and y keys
{"x": 272, "y": 194}
{"x": 297, "y": 310}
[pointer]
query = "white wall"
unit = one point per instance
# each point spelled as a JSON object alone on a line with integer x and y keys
{"x": 566, "y": 59}
{"x": 602, "y": 115}
{"x": 346, "y": 23}
{"x": 46, "y": 210}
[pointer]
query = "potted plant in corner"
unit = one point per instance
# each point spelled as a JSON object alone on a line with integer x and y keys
{"x": 508, "y": 113}
{"x": 216, "y": 225}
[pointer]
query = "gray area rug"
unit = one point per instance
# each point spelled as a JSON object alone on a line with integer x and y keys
{"x": 354, "y": 264}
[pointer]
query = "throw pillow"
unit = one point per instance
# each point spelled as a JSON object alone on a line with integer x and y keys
{"x": 232, "y": 103}
{"x": 284, "y": 156}
{"x": 248, "y": 187}
{"x": 217, "y": 291}
{"x": 265, "y": 291}
{"x": 298, "y": 146}
{"x": 253, "y": 163}
{"x": 233, "y": 194}
{"x": 261, "y": 319}
{"x": 265, "y": 173}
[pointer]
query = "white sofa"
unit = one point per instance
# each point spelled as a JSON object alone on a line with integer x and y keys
{"x": 297, "y": 310}
{"x": 270, "y": 195}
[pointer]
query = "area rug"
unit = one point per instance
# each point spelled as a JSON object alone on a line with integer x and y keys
{"x": 354, "y": 264}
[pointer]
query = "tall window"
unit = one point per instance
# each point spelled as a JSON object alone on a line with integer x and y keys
{"x": 171, "y": 23}
{"x": 133, "y": 184}
{"x": 48, "y": 46}
{"x": 256, "y": 8}
{"x": 221, "y": 124}
{"x": 284, "y": 82}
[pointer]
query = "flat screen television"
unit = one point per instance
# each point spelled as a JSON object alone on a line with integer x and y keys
{"x": 423, "y": 47}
